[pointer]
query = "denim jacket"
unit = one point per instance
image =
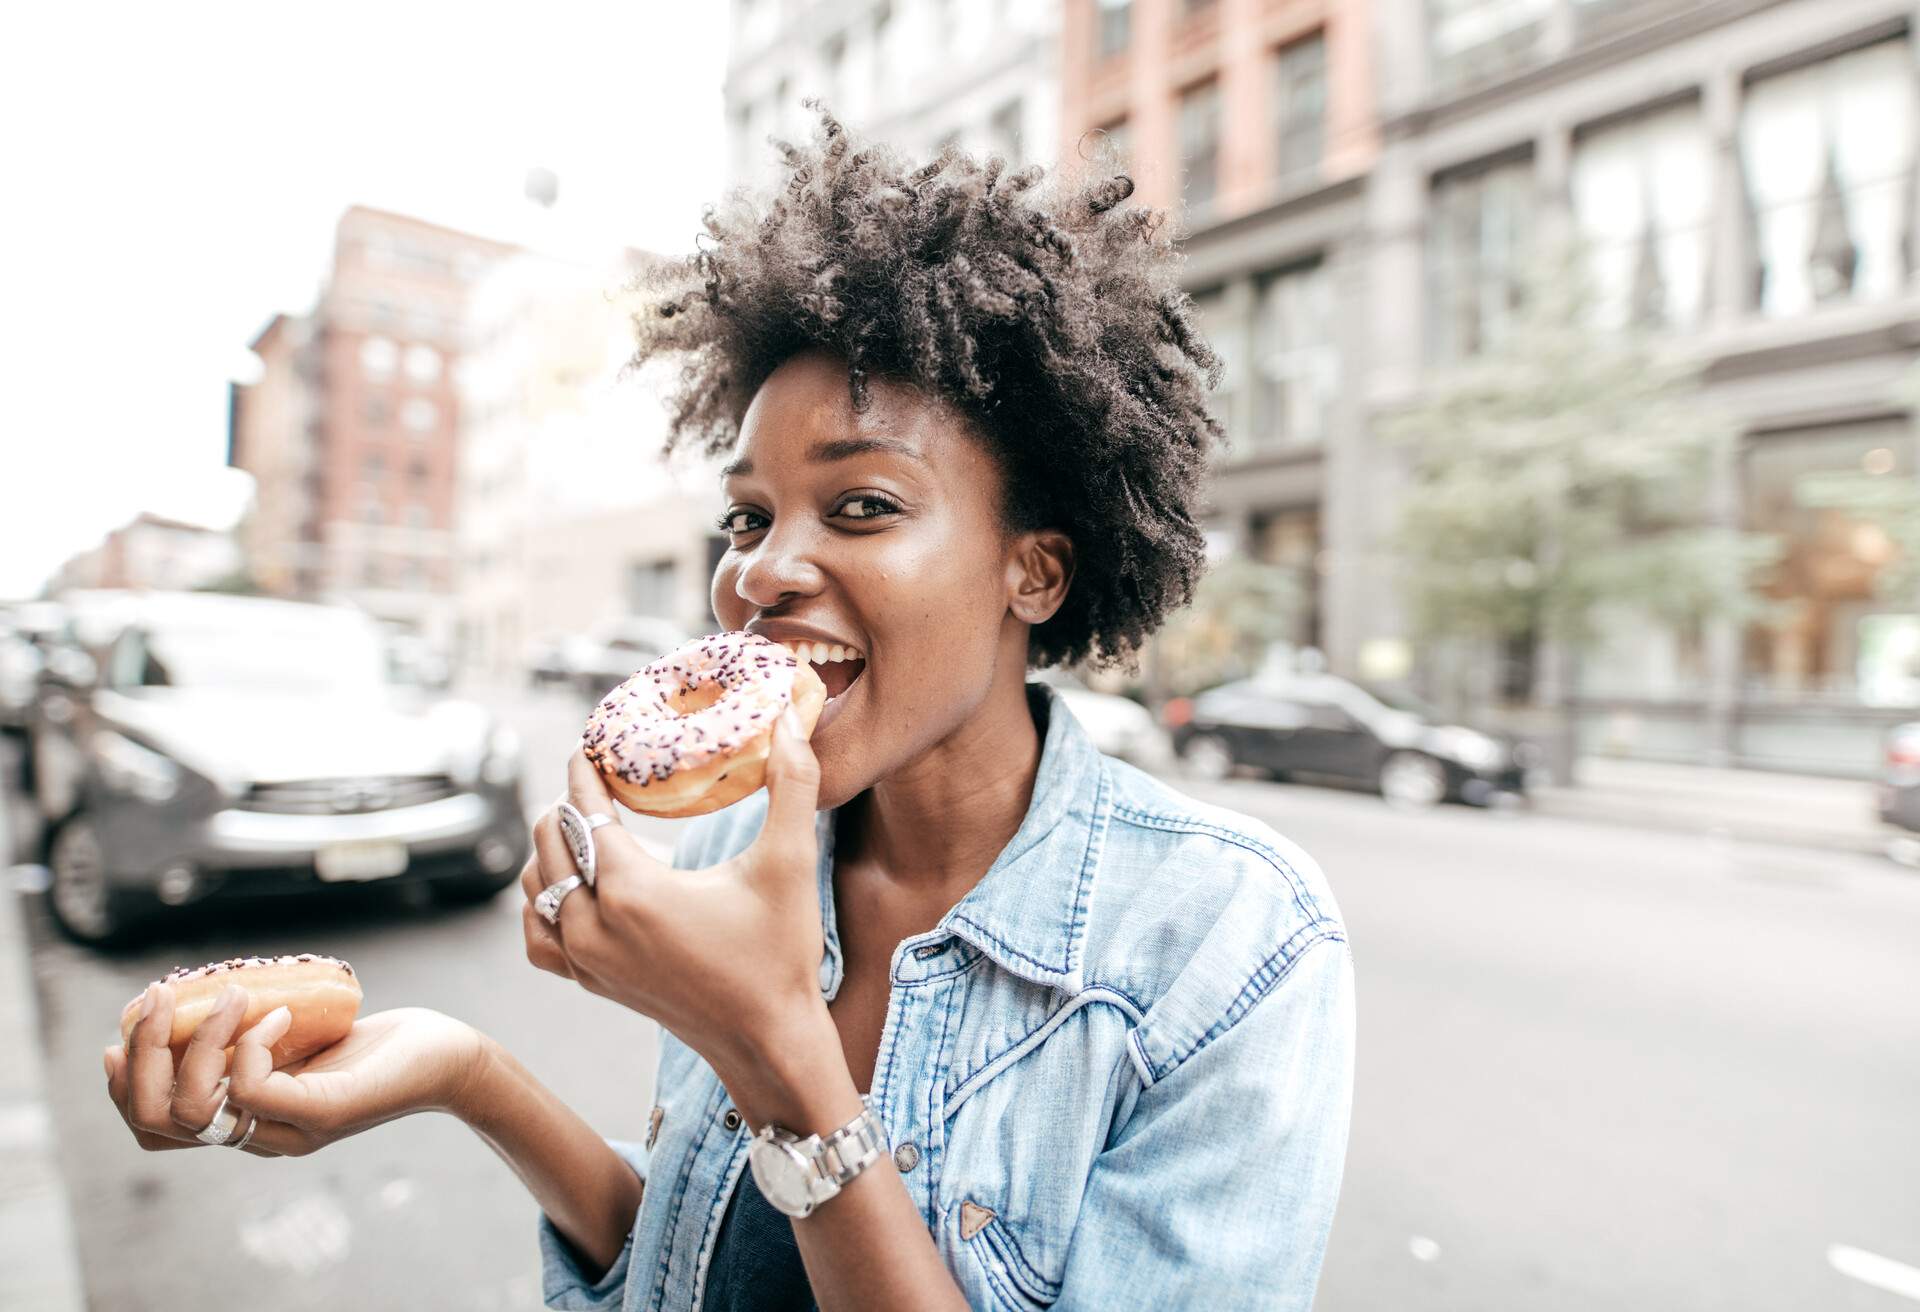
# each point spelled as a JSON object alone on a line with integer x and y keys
{"x": 1117, "y": 1074}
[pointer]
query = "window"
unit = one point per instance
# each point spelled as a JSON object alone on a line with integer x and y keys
{"x": 419, "y": 415}
{"x": 650, "y": 588}
{"x": 1221, "y": 320}
{"x": 373, "y": 469}
{"x": 378, "y": 355}
{"x": 1472, "y": 40}
{"x": 418, "y": 516}
{"x": 1829, "y": 630}
{"x": 1005, "y": 130}
{"x": 1300, "y": 107}
{"x": 375, "y": 410}
{"x": 1642, "y": 201}
{"x": 423, "y": 364}
{"x": 1296, "y": 367}
{"x": 1826, "y": 151}
{"x": 1200, "y": 144}
{"x": 1479, "y": 235}
{"x": 1113, "y": 22}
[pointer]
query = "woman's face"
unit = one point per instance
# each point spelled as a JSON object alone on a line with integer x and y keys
{"x": 879, "y": 533}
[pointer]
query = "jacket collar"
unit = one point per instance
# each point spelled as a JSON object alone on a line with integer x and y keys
{"x": 1028, "y": 912}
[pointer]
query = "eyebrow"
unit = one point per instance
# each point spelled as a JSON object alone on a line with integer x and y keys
{"x": 845, "y": 448}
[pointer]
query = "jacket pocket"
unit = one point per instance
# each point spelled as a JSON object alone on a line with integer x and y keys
{"x": 1015, "y": 1281}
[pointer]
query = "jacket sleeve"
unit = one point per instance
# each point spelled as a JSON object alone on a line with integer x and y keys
{"x": 1218, "y": 1191}
{"x": 565, "y": 1282}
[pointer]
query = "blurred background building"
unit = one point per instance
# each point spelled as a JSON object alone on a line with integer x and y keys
{"x": 151, "y": 551}
{"x": 352, "y": 430}
{"x": 1361, "y": 188}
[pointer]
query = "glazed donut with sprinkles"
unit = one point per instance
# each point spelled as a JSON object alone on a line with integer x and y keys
{"x": 690, "y": 733}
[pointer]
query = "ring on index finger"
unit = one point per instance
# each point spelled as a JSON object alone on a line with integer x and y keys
{"x": 550, "y": 898}
{"x": 577, "y": 830}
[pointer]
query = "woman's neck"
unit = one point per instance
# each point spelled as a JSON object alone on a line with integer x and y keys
{"x": 939, "y": 823}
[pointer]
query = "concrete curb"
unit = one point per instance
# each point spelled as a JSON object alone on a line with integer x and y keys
{"x": 1571, "y": 804}
{"x": 39, "y": 1263}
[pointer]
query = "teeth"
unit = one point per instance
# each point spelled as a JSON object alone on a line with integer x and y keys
{"x": 822, "y": 653}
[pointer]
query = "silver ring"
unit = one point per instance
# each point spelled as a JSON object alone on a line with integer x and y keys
{"x": 577, "y": 830}
{"x": 220, "y": 1129}
{"x": 247, "y": 1138}
{"x": 547, "y": 901}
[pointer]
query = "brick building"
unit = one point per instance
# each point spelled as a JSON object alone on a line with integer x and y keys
{"x": 351, "y": 432}
{"x": 1253, "y": 122}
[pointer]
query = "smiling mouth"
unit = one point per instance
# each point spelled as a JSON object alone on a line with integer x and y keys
{"x": 838, "y": 667}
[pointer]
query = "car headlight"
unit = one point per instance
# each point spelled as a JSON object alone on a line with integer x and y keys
{"x": 127, "y": 767}
{"x": 501, "y": 767}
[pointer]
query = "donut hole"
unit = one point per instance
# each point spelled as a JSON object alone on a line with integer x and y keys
{"x": 691, "y": 701}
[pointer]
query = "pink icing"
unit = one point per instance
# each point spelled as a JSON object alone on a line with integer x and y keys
{"x": 636, "y": 735}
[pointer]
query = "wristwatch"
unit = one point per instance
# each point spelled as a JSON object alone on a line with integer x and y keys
{"x": 797, "y": 1175}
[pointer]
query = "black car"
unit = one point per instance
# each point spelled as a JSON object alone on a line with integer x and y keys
{"x": 1320, "y": 724}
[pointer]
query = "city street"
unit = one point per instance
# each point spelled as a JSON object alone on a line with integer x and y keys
{"x": 1599, "y": 1068}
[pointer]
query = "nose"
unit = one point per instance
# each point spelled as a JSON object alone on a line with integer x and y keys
{"x": 779, "y": 568}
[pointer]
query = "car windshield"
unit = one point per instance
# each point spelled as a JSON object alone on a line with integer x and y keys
{"x": 317, "y": 655}
{"x": 1400, "y": 699}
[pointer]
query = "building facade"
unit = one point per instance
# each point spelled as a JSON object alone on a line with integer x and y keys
{"x": 352, "y": 431}
{"x": 152, "y": 551}
{"x": 1252, "y": 123}
{"x": 1740, "y": 178}
{"x": 916, "y": 74}
{"x": 568, "y": 516}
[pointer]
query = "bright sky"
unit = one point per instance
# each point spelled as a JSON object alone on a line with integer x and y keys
{"x": 174, "y": 172}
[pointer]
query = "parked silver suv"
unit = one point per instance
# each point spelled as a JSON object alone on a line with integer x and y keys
{"x": 198, "y": 745}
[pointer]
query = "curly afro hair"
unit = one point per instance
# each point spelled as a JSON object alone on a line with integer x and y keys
{"x": 1049, "y": 316}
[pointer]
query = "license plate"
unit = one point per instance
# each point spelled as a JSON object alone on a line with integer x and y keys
{"x": 344, "y": 862}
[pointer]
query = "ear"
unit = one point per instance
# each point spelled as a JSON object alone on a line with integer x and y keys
{"x": 1039, "y": 569}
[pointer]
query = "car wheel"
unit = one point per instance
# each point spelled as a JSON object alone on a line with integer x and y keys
{"x": 85, "y": 904}
{"x": 1413, "y": 780}
{"x": 467, "y": 890}
{"x": 1208, "y": 757}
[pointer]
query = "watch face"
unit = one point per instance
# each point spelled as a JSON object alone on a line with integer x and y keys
{"x": 781, "y": 1175}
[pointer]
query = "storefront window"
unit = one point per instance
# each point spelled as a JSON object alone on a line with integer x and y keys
{"x": 1471, "y": 40}
{"x": 1832, "y": 630}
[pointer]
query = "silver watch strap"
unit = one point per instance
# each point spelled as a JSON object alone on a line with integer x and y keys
{"x": 851, "y": 1149}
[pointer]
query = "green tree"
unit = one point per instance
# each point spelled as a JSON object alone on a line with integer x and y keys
{"x": 1565, "y": 471}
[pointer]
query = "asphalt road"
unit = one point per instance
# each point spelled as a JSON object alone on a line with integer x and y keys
{"x": 1600, "y": 1068}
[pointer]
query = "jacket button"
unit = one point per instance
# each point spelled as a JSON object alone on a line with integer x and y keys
{"x": 731, "y": 1120}
{"x": 906, "y": 1157}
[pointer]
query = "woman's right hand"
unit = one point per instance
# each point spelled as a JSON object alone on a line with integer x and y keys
{"x": 390, "y": 1064}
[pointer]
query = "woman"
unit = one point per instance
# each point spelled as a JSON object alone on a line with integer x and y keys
{"x": 1105, "y": 1032}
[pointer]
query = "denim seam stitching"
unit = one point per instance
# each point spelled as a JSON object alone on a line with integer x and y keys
{"x": 1189, "y": 825}
{"x": 1026, "y": 1043}
{"x": 680, "y": 1197}
{"x": 1257, "y": 988}
{"x": 1041, "y": 1289}
{"x": 936, "y": 1127}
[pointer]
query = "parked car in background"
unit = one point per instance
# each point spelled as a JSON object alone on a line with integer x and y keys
{"x": 188, "y": 746}
{"x": 1323, "y": 725}
{"x": 608, "y": 654}
{"x": 1118, "y": 727}
{"x": 1899, "y": 791}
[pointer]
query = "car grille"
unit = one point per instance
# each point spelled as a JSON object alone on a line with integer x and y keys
{"x": 348, "y": 796}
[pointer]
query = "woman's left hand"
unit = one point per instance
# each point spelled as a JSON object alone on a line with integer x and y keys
{"x": 726, "y": 958}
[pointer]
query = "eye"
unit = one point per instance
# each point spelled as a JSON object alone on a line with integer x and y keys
{"x": 739, "y": 520}
{"x": 866, "y": 505}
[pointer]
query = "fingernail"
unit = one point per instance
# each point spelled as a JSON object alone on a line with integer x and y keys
{"x": 230, "y": 992}
{"x": 147, "y": 1002}
{"x": 106, "y": 1060}
{"x": 278, "y": 1016}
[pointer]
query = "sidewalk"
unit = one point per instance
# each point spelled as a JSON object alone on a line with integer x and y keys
{"x": 39, "y": 1267}
{"x": 1755, "y": 806}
